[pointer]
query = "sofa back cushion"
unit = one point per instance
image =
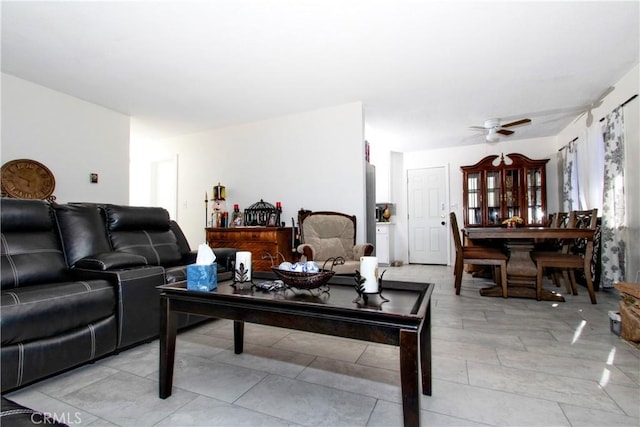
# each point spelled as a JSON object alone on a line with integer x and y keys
{"x": 82, "y": 230}
{"x": 30, "y": 251}
{"x": 183, "y": 243}
{"x": 144, "y": 231}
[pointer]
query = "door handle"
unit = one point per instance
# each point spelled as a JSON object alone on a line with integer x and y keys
{"x": 443, "y": 223}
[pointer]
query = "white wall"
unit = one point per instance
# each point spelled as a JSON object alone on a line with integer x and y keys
{"x": 73, "y": 138}
{"x": 312, "y": 160}
{"x": 381, "y": 159}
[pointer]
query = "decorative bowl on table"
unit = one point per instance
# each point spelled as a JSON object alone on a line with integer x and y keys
{"x": 303, "y": 280}
{"x": 307, "y": 275}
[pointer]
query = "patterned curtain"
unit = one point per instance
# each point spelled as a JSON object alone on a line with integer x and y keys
{"x": 613, "y": 211}
{"x": 570, "y": 191}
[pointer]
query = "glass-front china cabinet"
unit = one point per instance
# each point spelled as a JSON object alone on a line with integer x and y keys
{"x": 501, "y": 187}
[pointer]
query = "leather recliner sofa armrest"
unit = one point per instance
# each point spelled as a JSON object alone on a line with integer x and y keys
{"x": 189, "y": 258}
{"x": 225, "y": 258}
{"x": 137, "y": 298}
{"x": 111, "y": 261}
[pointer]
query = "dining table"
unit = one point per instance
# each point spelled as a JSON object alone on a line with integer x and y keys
{"x": 520, "y": 242}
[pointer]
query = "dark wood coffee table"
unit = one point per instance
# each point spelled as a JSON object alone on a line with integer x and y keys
{"x": 405, "y": 321}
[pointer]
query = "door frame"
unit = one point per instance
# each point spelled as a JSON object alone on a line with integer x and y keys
{"x": 447, "y": 203}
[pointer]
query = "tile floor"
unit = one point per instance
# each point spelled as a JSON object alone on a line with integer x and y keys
{"x": 497, "y": 362}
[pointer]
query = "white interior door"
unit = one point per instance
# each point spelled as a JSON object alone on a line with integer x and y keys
{"x": 428, "y": 222}
{"x": 164, "y": 184}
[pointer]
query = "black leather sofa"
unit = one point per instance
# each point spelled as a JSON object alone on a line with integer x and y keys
{"x": 15, "y": 415}
{"x": 78, "y": 282}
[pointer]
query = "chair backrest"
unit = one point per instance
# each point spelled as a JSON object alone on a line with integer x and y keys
{"x": 584, "y": 219}
{"x": 551, "y": 219}
{"x": 456, "y": 231}
{"x": 560, "y": 220}
{"x": 332, "y": 234}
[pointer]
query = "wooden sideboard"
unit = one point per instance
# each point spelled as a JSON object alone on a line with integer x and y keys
{"x": 260, "y": 241}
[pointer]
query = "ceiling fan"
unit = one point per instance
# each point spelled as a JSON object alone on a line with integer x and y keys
{"x": 494, "y": 129}
{"x": 595, "y": 104}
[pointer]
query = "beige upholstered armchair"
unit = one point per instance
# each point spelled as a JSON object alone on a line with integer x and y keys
{"x": 325, "y": 235}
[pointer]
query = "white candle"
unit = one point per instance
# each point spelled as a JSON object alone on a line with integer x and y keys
{"x": 369, "y": 271}
{"x": 245, "y": 259}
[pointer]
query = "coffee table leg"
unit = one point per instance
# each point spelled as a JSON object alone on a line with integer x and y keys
{"x": 168, "y": 329}
{"x": 409, "y": 377}
{"x": 425, "y": 352}
{"x": 238, "y": 336}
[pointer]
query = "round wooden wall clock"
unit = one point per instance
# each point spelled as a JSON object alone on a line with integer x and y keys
{"x": 27, "y": 179}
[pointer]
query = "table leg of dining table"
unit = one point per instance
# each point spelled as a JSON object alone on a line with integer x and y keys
{"x": 521, "y": 274}
{"x": 520, "y": 263}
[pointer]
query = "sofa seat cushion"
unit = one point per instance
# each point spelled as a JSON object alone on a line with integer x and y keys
{"x": 346, "y": 269}
{"x": 40, "y": 311}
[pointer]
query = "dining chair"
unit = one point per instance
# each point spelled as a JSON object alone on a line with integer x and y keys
{"x": 479, "y": 255}
{"x": 558, "y": 220}
{"x": 575, "y": 255}
{"x": 583, "y": 219}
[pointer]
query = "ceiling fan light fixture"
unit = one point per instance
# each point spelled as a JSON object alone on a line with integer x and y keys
{"x": 492, "y": 124}
{"x": 492, "y": 136}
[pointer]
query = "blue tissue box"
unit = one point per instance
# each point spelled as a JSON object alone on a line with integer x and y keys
{"x": 202, "y": 277}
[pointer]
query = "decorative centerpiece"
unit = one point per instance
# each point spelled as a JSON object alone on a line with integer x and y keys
{"x": 306, "y": 275}
{"x": 514, "y": 221}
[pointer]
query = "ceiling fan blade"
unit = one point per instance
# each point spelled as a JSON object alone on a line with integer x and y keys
{"x": 601, "y": 98}
{"x": 505, "y": 131}
{"x": 581, "y": 114}
{"x": 516, "y": 123}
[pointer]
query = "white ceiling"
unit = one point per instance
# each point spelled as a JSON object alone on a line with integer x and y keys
{"x": 424, "y": 70}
